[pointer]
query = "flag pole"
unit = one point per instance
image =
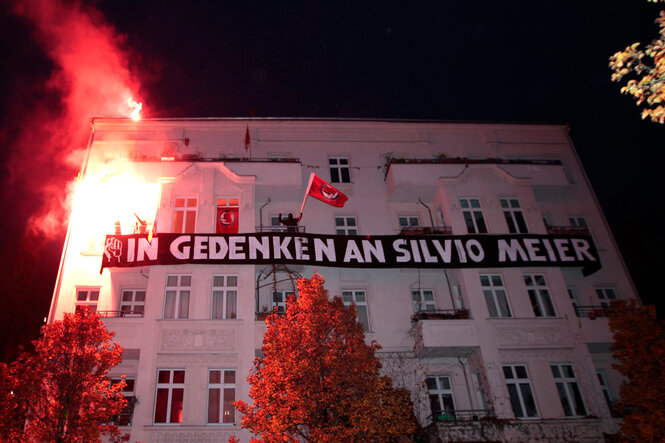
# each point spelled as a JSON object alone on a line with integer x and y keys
{"x": 309, "y": 185}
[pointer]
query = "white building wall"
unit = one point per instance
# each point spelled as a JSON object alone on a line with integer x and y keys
{"x": 211, "y": 163}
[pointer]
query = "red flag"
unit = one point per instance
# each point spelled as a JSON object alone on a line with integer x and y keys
{"x": 247, "y": 139}
{"x": 323, "y": 191}
{"x": 227, "y": 220}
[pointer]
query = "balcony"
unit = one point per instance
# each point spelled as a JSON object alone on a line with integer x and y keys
{"x": 443, "y": 333}
{"x": 591, "y": 311}
{"x": 425, "y": 230}
{"x": 280, "y": 228}
{"x": 441, "y": 314}
{"x": 115, "y": 314}
{"x": 568, "y": 230}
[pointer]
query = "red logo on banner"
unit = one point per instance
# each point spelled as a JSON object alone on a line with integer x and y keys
{"x": 227, "y": 220}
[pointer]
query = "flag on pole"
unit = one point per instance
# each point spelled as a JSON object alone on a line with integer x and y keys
{"x": 247, "y": 139}
{"x": 321, "y": 190}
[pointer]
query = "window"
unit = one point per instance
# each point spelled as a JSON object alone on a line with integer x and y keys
{"x": 423, "y": 300}
{"x": 170, "y": 395}
{"x": 408, "y": 221}
{"x": 275, "y": 225}
{"x": 441, "y": 398}
{"x": 221, "y": 395}
{"x": 125, "y": 417}
{"x": 473, "y": 216}
{"x": 569, "y": 392}
{"x": 184, "y": 215}
{"x": 605, "y": 296}
{"x": 132, "y": 303}
{"x": 578, "y": 221}
{"x": 176, "y": 301}
{"x": 346, "y": 225}
{"x": 339, "y": 170}
{"x": 226, "y": 218}
{"x": 359, "y": 298}
{"x": 495, "y": 295}
{"x": 87, "y": 297}
{"x": 605, "y": 386}
{"x": 514, "y": 216}
{"x": 519, "y": 389}
{"x": 224, "y": 296}
{"x": 279, "y": 299}
{"x": 573, "y": 297}
{"x": 539, "y": 295}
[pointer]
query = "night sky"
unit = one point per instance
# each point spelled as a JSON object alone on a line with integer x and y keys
{"x": 511, "y": 61}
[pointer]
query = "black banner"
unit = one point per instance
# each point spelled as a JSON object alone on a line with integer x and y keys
{"x": 354, "y": 251}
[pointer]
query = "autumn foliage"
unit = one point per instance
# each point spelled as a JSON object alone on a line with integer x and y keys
{"x": 319, "y": 381}
{"x": 639, "y": 346}
{"x": 61, "y": 392}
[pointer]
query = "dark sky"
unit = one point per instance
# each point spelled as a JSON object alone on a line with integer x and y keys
{"x": 511, "y": 61}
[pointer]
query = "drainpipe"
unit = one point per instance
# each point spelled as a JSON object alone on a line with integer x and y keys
{"x": 466, "y": 378}
{"x": 431, "y": 219}
{"x": 261, "y": 214}
{"x": 58, "y": 280}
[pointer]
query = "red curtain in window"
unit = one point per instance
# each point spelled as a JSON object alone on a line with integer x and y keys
{"x": 227, "y": 220}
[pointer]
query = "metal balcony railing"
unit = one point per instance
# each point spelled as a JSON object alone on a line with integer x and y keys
{"x": 108, "y": 314}
{"x": 280, "y": 228}
{"x": 568, "y": 230}
{"x": 425, "y": 230}
{"x": 441, "y": 314}
{"x": 591, "y": 311}
{"x": 462, "y": 415}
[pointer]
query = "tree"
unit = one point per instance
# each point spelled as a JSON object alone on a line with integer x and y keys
{"x": 319, "y": 380}
{"x": 649, "y": 88}
{"x": 639, "y": 347}
{"x": 61, "y": 392}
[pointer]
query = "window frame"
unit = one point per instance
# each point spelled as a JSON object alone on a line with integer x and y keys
{"x": 340, "y": 169}
{"x": 514, "y": 216}
{"x": 578, "y": 221}
{"x": 178, "y": 297}
{"x": 226, "y": 291}
{"x": 568, "y": 389}
{"x": 133, "y": 303}
{"x": 540, "y": 295}
{"x": 170, "y": 387}
{"x": 353, "y": 293}
{"x": 345, "y": 227}
{"x": 281, "y": 301}
{"x": 422, "y": 302}
{"x": 222, "y": 386}
{"x": 520, "y": 383}
{"x": 493, "y": 290}
{"x": 129, "y": 391}
{"x": 441, "y": 392}
{"x": 185, "y": 210}
{"x": 405, "y": 221}
{"x": 473, "y": 215}
{"x": 91, "y": 299}
{"x": 606, "y": 297}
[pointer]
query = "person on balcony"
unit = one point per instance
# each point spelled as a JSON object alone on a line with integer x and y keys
{"x": 290, "y": 222}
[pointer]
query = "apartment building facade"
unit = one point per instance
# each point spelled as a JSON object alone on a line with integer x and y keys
{"x": 476, "y": 254}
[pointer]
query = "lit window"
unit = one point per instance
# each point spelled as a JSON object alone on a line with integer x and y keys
{"x": 224, "y": 296}
{"x": 184, "y": 215}
{"x": 605, "y": 296}
{"x": 495, "y": 295}
{"x": 339, "y": 170}
{"x": 569, "y": 392}
{"x": 227, "y": 216}
{"x": 170, "y": 395}
{"x": 423, "y": 300}
{"x": 360, "y": 299}
{"x": 87, "y": 297}
{"x": 125, "y": 416}
{"x": 346, "y": 225}
{"x": 519, "y": 389}
{"x": 539, "y": 294}
{"x": 280, "y": 299}
{"x": 514, "y": 216}
{"x": 176, "y": 300}
{"x": 221, "y": 395}
{"x": 473, "y": 216}
{"x": 132, "y": 303}
{"x": 441, "y": 400}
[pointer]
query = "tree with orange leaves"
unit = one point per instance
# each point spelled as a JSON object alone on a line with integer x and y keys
{"x": 639, "y": 346}
{"x": 319, "y": 381}
{"x": 61, "y": 392}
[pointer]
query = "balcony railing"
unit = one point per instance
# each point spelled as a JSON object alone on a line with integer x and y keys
{"x": 108, "y": 314}
{"x": 441, "y": 314}
{"x": 591, "y": 311}
{"x": 425, "y": 230}
{"x": 271, "y": 228}
{"x": 462, "y": 415}
{"x": 568, "y": 230}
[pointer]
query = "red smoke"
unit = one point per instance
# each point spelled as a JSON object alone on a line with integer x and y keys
{"x": 91, "y": 78}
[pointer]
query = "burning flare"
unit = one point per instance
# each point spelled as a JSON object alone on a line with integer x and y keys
{"x": 134, "y": 109}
